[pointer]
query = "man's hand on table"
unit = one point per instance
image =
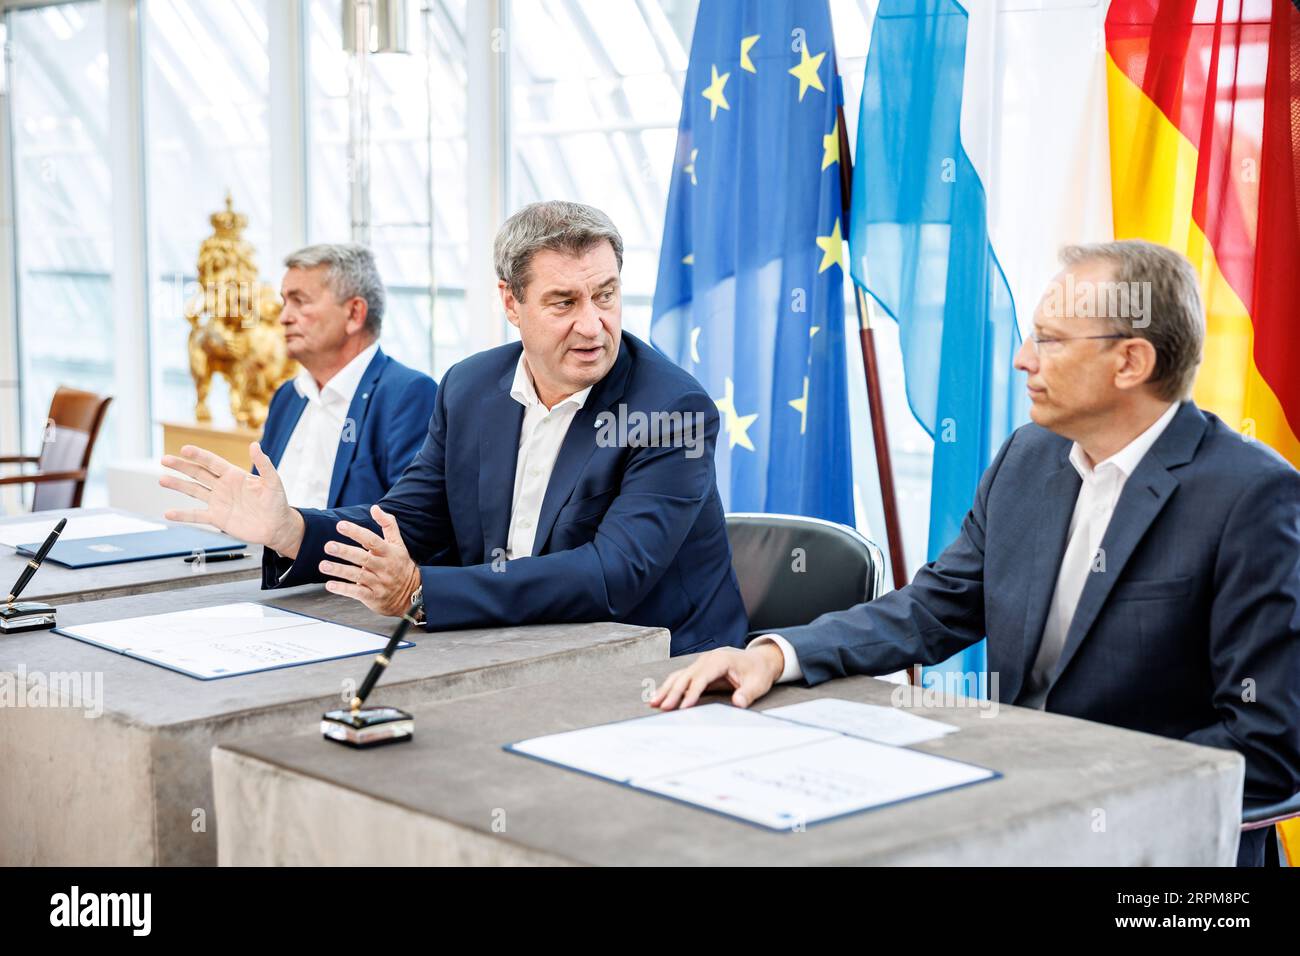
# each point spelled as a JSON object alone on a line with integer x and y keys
{"x": 251, "y": 507}
{"x": 749, "y": 674}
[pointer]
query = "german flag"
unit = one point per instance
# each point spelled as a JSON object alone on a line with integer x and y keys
{"x": 1205, "y": 158}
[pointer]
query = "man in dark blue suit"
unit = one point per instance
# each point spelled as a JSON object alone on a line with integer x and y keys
{"x": 1131, "y": 559}
{"x": 345, "y": 427}
{"x": 568, "y": 477}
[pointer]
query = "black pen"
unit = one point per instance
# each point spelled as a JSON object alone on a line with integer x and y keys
{"x": 386, "y": 655}
{"x": 34, "y": 564}
{"x": 209, "y": 557}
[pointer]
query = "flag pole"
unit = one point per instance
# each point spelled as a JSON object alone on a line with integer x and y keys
{"x": 871, "y": 367}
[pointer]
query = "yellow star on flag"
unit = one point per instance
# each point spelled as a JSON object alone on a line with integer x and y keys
{"x": 806, "y": 71}
{"x": 714, "y": 93}
{"x": 832, "y": 248}
{"x": 737, "y": 425}
{"x": 689, "y": 258}
{"x": 746, "y": 45}
{"x": 800, "y": 405}
{"x": 690, "y": 167}
{"x": 831, "y": 145}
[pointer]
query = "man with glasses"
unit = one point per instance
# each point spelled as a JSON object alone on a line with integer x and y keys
{"x": 1132, "y": 559}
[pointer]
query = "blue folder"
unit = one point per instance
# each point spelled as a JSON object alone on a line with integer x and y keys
{"x": 141, "y": 546}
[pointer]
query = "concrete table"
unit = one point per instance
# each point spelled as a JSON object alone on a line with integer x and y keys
{"x": 59, "y": 586}
{"x": 1074, "y": 793}
{"x": 134, "y": 785}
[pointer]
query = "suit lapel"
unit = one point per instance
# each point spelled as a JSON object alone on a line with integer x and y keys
{"x": 1143, "y": 498}
{"x": 1055, "y": 508}
{"x": 500, "y": 420}
{"x": 579, "y": 444}
{"x": 273, "y": 445}
{"x": 351, "y": 435}
{"x": 1145, "y": 494}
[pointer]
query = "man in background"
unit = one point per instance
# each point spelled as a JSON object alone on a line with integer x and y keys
{"x": 343, "y": 430}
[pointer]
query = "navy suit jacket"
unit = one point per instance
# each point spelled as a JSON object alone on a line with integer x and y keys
{"x": 1192, "y": 630}
{"x": 390, "y": 411}
{"x": 626, "y": 533}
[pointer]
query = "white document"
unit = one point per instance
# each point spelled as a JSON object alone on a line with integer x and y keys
{"x": 80, "y": 526}
{"x": 789, "y": 789}
{"x": 229, "y": 639}
{"x": 755, "y": 766}
{"x": 672, "y": 742}
{"x": 886, "y": 725}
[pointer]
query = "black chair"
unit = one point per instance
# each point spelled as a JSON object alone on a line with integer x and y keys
{"x": 1256, "y": 816}
{"x": 793, "y": 569}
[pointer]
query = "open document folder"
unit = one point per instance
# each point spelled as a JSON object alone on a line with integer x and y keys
{"x": 228, "y": 640}
{"x": 754, "y": 766}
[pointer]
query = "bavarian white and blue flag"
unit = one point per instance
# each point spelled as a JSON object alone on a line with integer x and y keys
{"x": 750, "y": 297}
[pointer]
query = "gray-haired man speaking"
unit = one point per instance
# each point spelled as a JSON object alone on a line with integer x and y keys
{"x": 527, "y": 502}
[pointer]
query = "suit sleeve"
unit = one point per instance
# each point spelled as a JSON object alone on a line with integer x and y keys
{"x": 408, "y": 427}
{"x": 938, "y": 614}
{"x": 418, "y": 501}
{"x": 1255, "y": 637}
{"x": 659, "y": 499}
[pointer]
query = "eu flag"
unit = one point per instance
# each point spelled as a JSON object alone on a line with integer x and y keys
{"x": 750, "y": 297}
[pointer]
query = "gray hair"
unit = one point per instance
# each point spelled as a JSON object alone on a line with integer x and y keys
{"x": 559, "y": 226}
{"x": 350, "y": 273}
{"x": 1174, "y": 319}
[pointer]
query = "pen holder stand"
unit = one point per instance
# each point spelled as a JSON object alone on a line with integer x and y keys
{"x": 368, "y": 727}
{"x": 25, "y": 616}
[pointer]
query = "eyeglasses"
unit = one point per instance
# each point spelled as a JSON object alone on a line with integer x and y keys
{"x": 1037, "y": 340}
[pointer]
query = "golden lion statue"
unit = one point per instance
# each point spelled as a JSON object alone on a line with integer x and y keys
{"x": 235, "y": 325}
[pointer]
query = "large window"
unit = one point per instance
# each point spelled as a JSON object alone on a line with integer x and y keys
{"x": 590, "y": 112}
{"x": 594, "y": 104}
{"x": 64, "y": 253}
{"x": 207, "y": 133}
{"x": 418, "y": 163}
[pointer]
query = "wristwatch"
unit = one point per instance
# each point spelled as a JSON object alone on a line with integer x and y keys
{"x": 418, "y": 595}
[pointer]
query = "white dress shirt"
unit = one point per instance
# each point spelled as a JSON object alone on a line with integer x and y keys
{"x": 307, "y": 465}
{"x": 540, "y": 438}
{"x": 1098, "y": 495}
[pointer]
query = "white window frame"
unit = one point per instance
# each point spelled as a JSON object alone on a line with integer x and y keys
{"x": 488, "y": 188}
